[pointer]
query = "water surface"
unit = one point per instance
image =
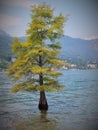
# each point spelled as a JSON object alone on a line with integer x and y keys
{"x": 73, "y": 108}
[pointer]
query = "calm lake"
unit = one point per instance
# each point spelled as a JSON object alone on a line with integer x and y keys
{"x": 73, "y": 108}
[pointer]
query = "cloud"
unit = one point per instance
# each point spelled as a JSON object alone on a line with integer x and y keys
{"x": 17, "y": 3}
{"x": 7, "y": 21}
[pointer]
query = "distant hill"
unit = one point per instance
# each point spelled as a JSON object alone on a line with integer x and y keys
{"x": 73, "y": 49}
{"x": 22, "y": 38}
{"x": 5, "y": 41}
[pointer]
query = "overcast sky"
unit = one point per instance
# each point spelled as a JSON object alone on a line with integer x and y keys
{"x": 82, "y": 23}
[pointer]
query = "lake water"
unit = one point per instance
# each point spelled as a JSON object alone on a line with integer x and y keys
{"x": 73, "y": 108}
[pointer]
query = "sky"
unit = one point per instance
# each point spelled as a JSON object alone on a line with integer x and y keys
{"x": 82, "y": 20}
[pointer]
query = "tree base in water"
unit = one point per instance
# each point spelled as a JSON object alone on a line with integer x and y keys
{"x": 43, "y": 106}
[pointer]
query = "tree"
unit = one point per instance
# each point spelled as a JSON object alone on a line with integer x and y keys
{"x": 37, "y": 56}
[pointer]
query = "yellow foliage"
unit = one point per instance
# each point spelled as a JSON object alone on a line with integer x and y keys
{"x": 56, "y": 61}
{"x": 35, "y": 56}
{"x": 38, "y": 70}
{"x": 53, "y": 73}
{"x": 30, "y": 87}
{"x": 18, "y": 87}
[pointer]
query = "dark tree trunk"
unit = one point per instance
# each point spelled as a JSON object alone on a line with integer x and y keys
{"x": 43, "y": 106}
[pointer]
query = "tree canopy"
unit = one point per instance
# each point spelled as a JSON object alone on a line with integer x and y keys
{"x": 36, "y": 56}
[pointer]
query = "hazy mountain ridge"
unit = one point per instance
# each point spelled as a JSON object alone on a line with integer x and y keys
{"x": 73, "y": 49}
{"x": 5, "y": 41}
{"x": 79, "y": 48}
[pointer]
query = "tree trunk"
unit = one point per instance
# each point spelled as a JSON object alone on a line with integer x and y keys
{"x": 43, "y": 106}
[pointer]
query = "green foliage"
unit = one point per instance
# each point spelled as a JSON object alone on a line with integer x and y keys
{"x": 35, "y": 57}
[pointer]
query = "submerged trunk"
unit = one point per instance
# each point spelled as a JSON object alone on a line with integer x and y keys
{"x": 43, "y": 106}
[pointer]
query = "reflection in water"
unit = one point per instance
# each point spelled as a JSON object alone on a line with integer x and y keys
{"x": 40, "y": 122}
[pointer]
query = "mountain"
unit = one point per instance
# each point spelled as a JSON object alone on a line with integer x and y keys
{"x": 3, "y": 33}
{"x": 22, "y": 38}
{"x": 5, "y": 41}
{"x": 73, "y": 50}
